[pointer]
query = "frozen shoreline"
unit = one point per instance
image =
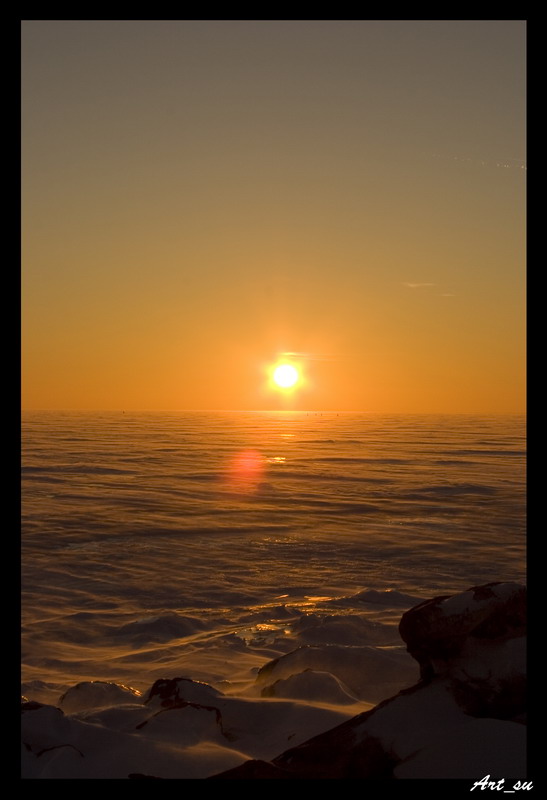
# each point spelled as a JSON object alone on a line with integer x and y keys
{"x": 183, "y": 728}
{"x": 226, "y": 650}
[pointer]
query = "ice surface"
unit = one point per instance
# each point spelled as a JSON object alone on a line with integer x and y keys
{"x": 141, "y": 563}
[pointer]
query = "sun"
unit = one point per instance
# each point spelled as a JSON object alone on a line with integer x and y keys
{"x": 285, "y": 376}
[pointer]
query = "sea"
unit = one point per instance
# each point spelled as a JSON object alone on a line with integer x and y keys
{"x": 205, "y": 544}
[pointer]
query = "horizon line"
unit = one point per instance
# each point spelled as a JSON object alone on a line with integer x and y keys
{"x": 266, "y": 411}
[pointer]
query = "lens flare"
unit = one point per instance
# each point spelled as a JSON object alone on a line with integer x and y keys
{"x": 245, "y": 471}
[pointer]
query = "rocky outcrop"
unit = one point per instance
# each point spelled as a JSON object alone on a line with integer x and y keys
{"x": 437, "y": 631}
{"x": 468, "y": 705}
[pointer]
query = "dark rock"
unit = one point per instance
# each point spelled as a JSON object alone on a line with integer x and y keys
{"x": 177, "y": 692}
{"x": 436, "y": 630}
{"x": 174, "y": 694}
{"x": 495, "y": 699}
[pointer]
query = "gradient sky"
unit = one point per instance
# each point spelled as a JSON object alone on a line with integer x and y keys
{"x": 201, "y": 196}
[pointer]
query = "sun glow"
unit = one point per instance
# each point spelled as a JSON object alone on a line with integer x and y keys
{"x": 285, "y": 376}
{"x": 287, "y": 379}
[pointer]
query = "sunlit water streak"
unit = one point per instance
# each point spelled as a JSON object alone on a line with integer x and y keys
{"x": 212, "y": 515}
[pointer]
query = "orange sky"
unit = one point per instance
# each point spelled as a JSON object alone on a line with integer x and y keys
{"x": 202, "y": 196}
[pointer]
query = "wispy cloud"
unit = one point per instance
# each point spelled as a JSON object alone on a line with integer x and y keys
{"x": 500, "y": 163}
{"x": 308, "y": 356}
{"x": 422, "y": 285}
